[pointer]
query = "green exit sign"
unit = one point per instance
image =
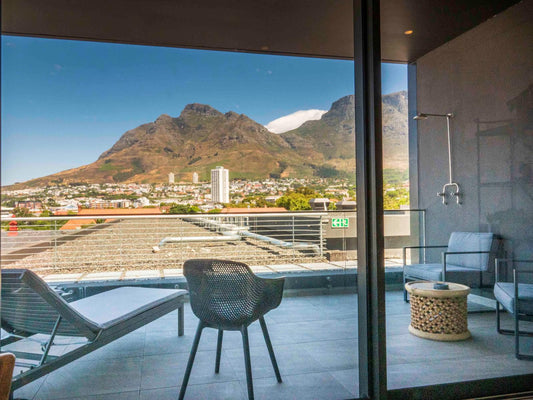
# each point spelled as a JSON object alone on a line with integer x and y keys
{"x": 339, "y": 222}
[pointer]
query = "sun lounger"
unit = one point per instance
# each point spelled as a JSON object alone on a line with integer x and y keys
{"x": 30, "y": 307}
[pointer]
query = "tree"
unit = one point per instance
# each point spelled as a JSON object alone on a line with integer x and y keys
{"x": 306, "y": 191}
{"x": 294, "y": 202}
{"x": 52, "y": 202}
{"x": 394, "y": 198}
{"x": 183, "y": 209}
{"x": 22, "y": 212}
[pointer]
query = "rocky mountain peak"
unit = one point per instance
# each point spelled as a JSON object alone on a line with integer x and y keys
{"x": 397, "y": 100}
{"x": 163, "y": 119}
{"x": 200, "y": 109}
{"x": 341, "y": 110}
{"x": 231, "y": 115}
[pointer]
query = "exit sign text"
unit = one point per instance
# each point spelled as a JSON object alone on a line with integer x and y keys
{"x": 339, "y": 222}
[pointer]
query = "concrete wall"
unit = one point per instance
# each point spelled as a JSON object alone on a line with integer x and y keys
{"x": 485, "y": 77}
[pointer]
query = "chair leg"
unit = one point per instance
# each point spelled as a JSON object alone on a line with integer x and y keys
{"x": 181, "y": 320}
{"x": 219, "y": 351}
{"x": 516, "y": 335}
{"x": 270, "y": 349}
{"x": 247, "y": 362}
{"x": 517, "y": 340}
{"x": 191, "y": 360}
{"x": 405, "y": 290}
{"x": 515, "y": 332}
{"x": 507, "y": 331}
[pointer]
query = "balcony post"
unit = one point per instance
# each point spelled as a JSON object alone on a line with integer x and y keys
{"x": 321, "y": 236}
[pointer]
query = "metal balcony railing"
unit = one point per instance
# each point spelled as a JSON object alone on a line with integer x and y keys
{"x": 95, "y": 243}
{"x": 82, "y": 244}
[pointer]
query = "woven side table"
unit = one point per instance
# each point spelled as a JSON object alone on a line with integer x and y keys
{"x": 438, "y": 314}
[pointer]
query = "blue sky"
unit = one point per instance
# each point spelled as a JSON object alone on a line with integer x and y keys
{"x": 66, "y": 102}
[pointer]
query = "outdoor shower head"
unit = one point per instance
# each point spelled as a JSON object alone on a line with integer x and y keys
{"x": 451, "y": 183}
{"x": 421, "y": 116}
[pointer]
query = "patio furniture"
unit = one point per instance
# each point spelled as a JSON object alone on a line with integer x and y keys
{"x": 517, "y": 299}
{"x": 227, "y": 295}
{"x": 31, "y": 307}
{"x": 468, "y": 260}
{"x": 438, "y": 314}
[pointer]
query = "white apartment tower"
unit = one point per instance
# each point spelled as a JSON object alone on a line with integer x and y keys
{"x": 195, "y": 177}
{"x": 220, "y": 185}
{"x": 171, "y": 178}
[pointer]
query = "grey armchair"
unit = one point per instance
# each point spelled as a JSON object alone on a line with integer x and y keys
{"x": 517, "y": 299}
{"x": 467, "y": 259}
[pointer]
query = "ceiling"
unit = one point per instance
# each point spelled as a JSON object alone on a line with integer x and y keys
{"x": 315, "y": 28}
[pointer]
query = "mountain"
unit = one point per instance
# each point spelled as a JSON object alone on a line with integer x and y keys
{"x": 202, "y": 138}
{"x": 331, "y": 140}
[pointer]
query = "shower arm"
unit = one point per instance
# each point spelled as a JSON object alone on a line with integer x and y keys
{"x": 451, "y": 183}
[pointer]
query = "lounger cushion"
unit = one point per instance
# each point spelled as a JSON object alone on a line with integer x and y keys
{"x": 114, "y": 306}
{"x": 433, "y": 272}
{"x": 470, "y": 241}
{"x": 504, "y": 293}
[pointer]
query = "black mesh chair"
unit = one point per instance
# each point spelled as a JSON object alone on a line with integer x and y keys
{"x": 227, "y": 295}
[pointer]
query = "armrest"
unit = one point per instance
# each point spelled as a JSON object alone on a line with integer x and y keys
{"x": 272, "y": 291}
{"x": 516, "y": 269}
{"x": 404, "y": 249}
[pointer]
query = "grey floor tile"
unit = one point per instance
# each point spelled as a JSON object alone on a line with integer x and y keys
{"x": 169, "y": 322}
{"x": 349, "y": 378}
{"x": 167, "y": 342}
{"x": 30, "y": 390}
{"x": 292, "y": 359}
{"x": 211, "y": 391}
{"x": 334, "y": 354}
{"x": 167, "y": 370}
{"x": 454, "y": 370}
{"x": 131, "y": 345}
{"x": 296, "y": 313}
{"x": 92, "y": 377}
{"x": 313, "y": 386}
{"x": 110, "y": 396}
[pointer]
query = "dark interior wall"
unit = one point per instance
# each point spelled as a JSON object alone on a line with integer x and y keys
{"x": 484, "y": 77}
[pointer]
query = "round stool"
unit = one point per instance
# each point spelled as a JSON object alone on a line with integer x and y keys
{"x": 438, "y": 314}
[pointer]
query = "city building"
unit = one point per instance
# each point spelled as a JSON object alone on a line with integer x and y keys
{"x": 34, "y": 206}
{"x": 170, "y": 177}
{"x": 195, "y": 177}
{"x": 220, "y": 185}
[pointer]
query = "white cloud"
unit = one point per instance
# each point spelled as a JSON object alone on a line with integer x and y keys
{"x": 294, "y": 120}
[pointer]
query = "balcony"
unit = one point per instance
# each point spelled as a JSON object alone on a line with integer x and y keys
{"x": 315, "y": 339}
{"x": 314, "y": 331}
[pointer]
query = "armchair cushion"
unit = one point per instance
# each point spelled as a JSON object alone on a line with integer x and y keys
{"x": 504, "y": 293}
{"x": 433, "y": 272}
{"x": 470, "y": 241}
